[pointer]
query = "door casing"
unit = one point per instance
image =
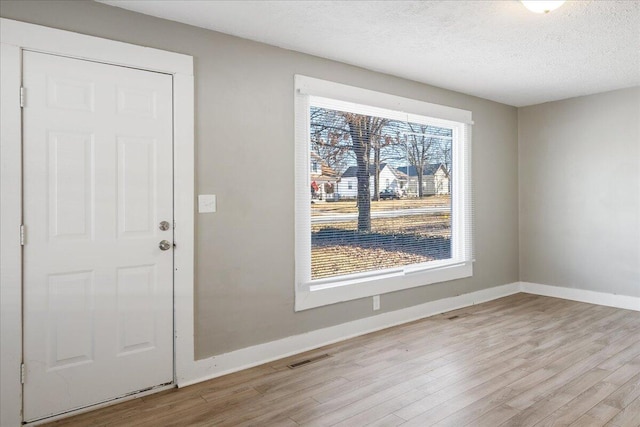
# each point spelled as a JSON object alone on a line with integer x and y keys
{"x": 15, "y": 37}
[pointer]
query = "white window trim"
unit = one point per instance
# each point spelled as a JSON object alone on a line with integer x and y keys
{"x": 310, "y": 294}
{"x": 15, "y": 37}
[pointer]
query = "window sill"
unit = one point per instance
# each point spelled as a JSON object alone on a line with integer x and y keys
{"x": 369, "y": 286}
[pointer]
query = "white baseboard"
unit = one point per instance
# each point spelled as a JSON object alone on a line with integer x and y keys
{"x": 582, "y": 295}
{"x": 205, "y": 369}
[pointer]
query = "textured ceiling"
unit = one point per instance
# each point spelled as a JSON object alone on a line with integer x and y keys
{"x": 492, "y": 49}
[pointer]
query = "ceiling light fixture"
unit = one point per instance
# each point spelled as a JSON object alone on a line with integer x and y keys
{"x": 541, "y": 6}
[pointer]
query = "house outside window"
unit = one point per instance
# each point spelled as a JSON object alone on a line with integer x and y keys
{"x": 361, "y": 244}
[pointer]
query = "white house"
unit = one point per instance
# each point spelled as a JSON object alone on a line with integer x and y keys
{"x": 390, "y": 179}
{"x": 323, "y": 179}
{"x": 435, "y": 180}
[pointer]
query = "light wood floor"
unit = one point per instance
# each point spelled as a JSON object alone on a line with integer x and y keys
{"x": 522, "y": 360}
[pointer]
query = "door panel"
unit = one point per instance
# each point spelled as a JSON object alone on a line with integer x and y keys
{"x": 136, "y": 192}
{"x": 98, "y": 291}
{"x": 70, "y": 179}
{"x": 136, "y": 325}
{"x": 71, "y": 325}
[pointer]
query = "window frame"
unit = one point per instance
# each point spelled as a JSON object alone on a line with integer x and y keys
{"x": 315, "y": 293}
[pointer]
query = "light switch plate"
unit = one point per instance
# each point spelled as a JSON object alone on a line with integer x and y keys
{"x": 206, "y": 203}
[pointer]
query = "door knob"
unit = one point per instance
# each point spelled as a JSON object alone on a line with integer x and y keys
{"x": 164, "y": 245}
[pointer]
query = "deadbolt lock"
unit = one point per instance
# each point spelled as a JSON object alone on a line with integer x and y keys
{"x": 164, "y": 225}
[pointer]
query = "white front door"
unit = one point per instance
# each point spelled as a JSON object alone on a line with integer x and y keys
{"x": 98, "y": 289}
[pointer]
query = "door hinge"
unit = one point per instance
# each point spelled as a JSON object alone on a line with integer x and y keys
{"x": 21, "y": 234}
{"x": 21, "y": 97}
{"x": 22, "y": 373}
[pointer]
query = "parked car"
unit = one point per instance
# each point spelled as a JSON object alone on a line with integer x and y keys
{"x": 389, "y": 194}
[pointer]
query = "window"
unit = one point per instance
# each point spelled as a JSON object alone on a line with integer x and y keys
{"x": 404, "y": 219}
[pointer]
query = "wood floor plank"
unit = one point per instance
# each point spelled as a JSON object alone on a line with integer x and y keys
{"x": 346, "y": 405}
{"x": 388, "y": 421}
{"x": 580, "y": 404}
{"x": 555, "y": 393}
{"x": 627, "y": 393}
{"x": 575, "y": 408}
{"x": 552, "y": 394}
{"x": 467, "y": 414}
{"x": 379, "y": 412}
{"x": 522, "y": 360}
{"x": 330, "y": 418}
{"x": 455, "y": 400}
{"x": 599, "y": 415}
{"x": 627, "y": 417}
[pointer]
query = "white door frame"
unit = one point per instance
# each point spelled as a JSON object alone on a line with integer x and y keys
{"x": 15, "y": 37}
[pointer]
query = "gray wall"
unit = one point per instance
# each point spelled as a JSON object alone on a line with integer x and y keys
{"x": 579, "y": 168}
{"x": 244, "y": 144}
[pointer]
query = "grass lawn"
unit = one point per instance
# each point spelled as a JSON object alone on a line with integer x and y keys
{"x": 338, "y": 248}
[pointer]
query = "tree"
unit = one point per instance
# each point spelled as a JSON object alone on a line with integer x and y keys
{"x": 330, "y": 138}
{"x": 364, "y": 132}
{"x": 442, "y": 149}
{"x": 418, "y": 146}
{"x": 378, "y": 145}
{"x": 445, "y": 150}
{"x": 336, "y": 135}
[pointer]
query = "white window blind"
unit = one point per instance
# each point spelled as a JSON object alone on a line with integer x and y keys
{"x": 390, "y": 198}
